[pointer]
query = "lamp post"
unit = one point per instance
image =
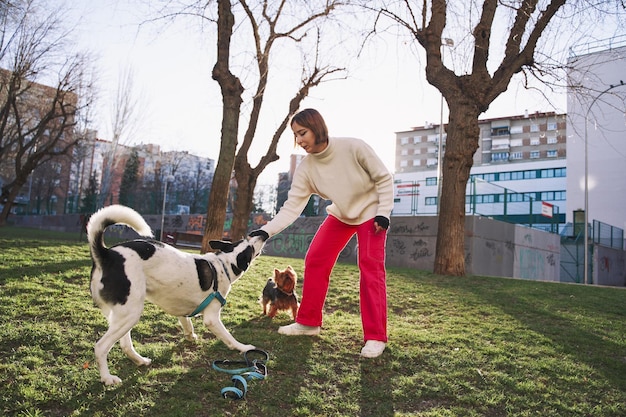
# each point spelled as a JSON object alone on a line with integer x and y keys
{"x": 586, "y": 231}
{"x": 169, "y": 178}
{"x": 444, "y": 42}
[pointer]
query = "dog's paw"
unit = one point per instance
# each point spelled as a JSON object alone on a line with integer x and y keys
{"x": 141, "y": 361}
{"x": 245, "y": 348}
{"x": 192, "y": 337}
{"x": 110, "y": 380}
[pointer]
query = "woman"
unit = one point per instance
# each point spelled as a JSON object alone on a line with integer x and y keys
{"x": 347, "y": 172}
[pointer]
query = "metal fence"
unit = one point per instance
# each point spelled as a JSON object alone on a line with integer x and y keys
{"x": 607, "y": 235}
{"x": 491, "y": 200}
{"x": 482, "y": 198}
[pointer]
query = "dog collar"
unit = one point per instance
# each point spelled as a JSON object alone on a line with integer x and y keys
{"x": 206, "y": 302}
{"x": 285, "y": 292}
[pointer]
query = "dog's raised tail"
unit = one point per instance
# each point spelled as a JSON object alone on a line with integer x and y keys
{"x": 114, "y": 214}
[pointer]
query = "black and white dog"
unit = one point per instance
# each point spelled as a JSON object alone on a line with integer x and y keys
{"x": 183, "y": 284}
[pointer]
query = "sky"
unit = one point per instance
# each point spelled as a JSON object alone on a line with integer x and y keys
{"x": 386, "y": 90}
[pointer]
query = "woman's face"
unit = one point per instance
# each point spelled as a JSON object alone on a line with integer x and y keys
{"x": 305, "y": 138}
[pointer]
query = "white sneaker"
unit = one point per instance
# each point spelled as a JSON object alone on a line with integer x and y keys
{"x": 373, "y": 349}
{"x": 297, "y": 329}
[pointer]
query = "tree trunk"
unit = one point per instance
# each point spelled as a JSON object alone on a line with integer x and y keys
{"x": 242, "y": 208}
{"x": 232, "y": 91}
{"x": 8, "y": 195}
{"x": 461, "y": 144}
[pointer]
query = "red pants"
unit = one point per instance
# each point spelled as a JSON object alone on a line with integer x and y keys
{"x": 330, "y": 239}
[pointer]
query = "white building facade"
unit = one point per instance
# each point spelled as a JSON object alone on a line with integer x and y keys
{"x": 596, "y": 145}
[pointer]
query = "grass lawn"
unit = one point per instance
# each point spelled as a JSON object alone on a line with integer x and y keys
{"x": 472, "y": 346}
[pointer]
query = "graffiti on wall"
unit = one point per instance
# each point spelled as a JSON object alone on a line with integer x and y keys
{"x": 409, "y": 229}
{"x": 196, "y": 223}
{"x": 294, "y": 241}
{"x": 289, "y": 244}
{"x": 533, "y": 263}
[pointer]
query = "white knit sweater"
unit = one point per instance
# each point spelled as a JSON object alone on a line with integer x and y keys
{"x": 348, "y": 173}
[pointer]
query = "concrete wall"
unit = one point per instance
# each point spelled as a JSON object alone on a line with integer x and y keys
{"x": 492, "y": 247}
{"x": 610, "y": 268}
{"x": 190, "y": 223}
{"x": 503, "y": 249}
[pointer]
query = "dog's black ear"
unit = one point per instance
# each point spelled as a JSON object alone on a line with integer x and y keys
{"x": 221, "y": 245}
{"x": 245, "y": 258}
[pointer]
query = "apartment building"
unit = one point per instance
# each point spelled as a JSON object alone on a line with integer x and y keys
{"x": 192, "y": 175}
{"x": 38, "y": 122}
{"x": 519, "y": 169}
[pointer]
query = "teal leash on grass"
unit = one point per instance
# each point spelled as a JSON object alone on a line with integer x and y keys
{"x": 254, "y": 369}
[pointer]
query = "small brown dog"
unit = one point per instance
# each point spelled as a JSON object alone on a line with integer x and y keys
{"x": 279, "y": 293}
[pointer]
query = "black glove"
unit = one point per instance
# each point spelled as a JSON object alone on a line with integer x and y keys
{"x": 263, "y": 234}
{"x": 382, "y": 221}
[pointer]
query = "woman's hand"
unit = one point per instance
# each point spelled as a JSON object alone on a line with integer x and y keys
{"x": 380, "y": 223}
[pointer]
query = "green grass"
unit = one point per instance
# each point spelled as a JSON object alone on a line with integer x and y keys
{"x": 474, "y": 346}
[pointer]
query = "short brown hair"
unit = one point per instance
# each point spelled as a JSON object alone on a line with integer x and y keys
{"x": 312, "y": 119}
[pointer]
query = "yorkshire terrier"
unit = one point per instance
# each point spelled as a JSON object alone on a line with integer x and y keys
{"x": 279, "y": 293}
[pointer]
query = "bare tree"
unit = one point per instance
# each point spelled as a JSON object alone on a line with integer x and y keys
{"x": 504, "y": 40}
{"x": 126, "y": 119}
{"x": 245, "y": 175}
{"x": 43, "y": 183}
{"x": 43, "y": 91}
{"x": 193, "y": 187}
{"x": 264, "y": 24}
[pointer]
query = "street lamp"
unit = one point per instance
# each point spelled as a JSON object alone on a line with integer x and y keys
{"x": 586, "y": 232}
{"x": 169, "y": 178}
{"x": 444, "y": 42}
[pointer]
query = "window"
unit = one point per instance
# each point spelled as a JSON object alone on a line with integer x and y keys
{"x": 505, "y": 176}
{"x": 404, "y": 163}
{"x": 516, "y": 130}
{"x": 552, "y": 126}
{"x": 534, "y": 128}
{"x": 417, "y": 162}
{"x": 404, "y": 141}
{"x": 534, "y": 155}
{"x": 530, "y": 175}
{"x": 552, "y": 154}
{"x": 431, "y": 181}
{"x": 430, "y": 201}
{"x": 552, "y": 140}
{"x": 517, "y": 155}
{"x": 490, "y": 177}
{"x": 500, "y": 156}
{"x": 553, "y": 196}
{"x": 535, "y": 141}
{"x": 500, "y": 131}
{"x": 405, "y": 152}
{"x": 516, "y": 198}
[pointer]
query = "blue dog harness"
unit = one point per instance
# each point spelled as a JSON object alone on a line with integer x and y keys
{"x": 206, "y": 302}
